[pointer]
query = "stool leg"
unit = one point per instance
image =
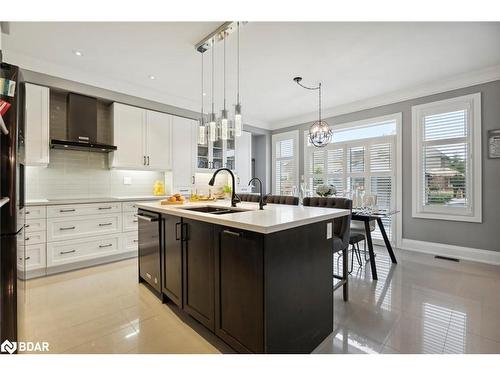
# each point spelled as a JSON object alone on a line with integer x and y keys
{"x": 345, "y": 266}
{"x": 358, "y": 255}
{"x": 353, "y": 249}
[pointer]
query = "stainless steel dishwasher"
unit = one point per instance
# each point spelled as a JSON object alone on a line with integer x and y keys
{"x": 150, "y": 249}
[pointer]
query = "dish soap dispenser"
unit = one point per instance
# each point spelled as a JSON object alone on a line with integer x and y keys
{"x": 158, "y": 188}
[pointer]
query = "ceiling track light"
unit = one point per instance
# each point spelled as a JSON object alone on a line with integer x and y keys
{"x": 320, "y": 133}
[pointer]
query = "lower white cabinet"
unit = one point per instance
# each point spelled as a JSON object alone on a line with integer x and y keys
{"x": 35, "y": 257}
{"x": 33, "y": 238}
{"x": 70, "y": 251}
{"x": 130, "y": 241}
{"x": 83, "y": 226}
{"x": 130, "y": 221}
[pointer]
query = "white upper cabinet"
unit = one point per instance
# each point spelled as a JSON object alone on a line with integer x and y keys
{"x": 158, "y": 140}
{"x": 142, "y": 137}
{"x": 244, "y": 161}
{"x": 183, "y": 153}
{"x": 37, "y": 125}
{"x": 129, "y": 130}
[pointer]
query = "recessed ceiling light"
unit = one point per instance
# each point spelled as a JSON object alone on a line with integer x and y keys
{"x": 78, "y": 52}
{"x": 152, "y": 77}
{"x": 204, "y": 94}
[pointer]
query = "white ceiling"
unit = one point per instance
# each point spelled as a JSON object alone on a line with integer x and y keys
{"x": 354, "y": 61}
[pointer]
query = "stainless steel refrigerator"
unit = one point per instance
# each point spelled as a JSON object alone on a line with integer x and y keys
{"x": 12, "y": 197}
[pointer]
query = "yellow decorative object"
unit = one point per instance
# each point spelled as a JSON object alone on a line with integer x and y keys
{"x": 158, "y": 188}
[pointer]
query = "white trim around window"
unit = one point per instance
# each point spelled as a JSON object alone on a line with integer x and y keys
{"x": 294, "y": 158}
{"x": 428, "y": 147}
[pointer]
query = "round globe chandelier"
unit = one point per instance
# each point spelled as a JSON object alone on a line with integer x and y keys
{"x": 320, "y": 133}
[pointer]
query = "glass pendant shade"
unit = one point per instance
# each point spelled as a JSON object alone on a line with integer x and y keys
{"x": 238, "y": 121}
{"x": 202, "y": 133}
{"x": 224, "y": 129}
{"x": 320, "y": 133}
{"x": 212, "y": 126}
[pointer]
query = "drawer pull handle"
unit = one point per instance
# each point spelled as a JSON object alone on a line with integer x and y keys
{"x": 27, "y": 213}
{"x": 105, "y": 208}
{"x": 232, "y": 233}
{"x": 135, "y": 220}
{"x": 108, "y": 245}
{"x": 27, "y": 258}
{"x": 27, "y": 239}
{"x": 68, "y": 210}
{"x": 66, "y": 228}
{"x": 67, "y": 252}
{"x": 105, "y": 224}
{"x": 136, "y": 240}
{"x": 26, "y": 225}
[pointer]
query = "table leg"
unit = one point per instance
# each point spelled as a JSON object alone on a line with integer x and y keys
{"x": 370, "y": 250}
{"x": 386, "y": 241}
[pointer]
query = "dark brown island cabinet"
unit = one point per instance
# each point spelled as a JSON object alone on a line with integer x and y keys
{"x": 259, "y": 293}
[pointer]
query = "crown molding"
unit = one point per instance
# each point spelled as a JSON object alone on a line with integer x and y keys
{"x": 435, "y": 87}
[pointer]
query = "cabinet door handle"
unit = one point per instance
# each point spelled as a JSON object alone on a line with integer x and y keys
{"x": 148, "y": 160}
{"x": 66, "y": 228}
{"x": 27, "y": 258}
{"x": 184, "y": 232}
{"x": 136, "y": 240}
{"x": 192, "y": 180}
{"x": 67, "y": 252}
{"x": 26, "y": 213}
{"x": 144, "y": 161}
{"x": 68, "y": 210}
{"x": 105, "y": 224}
{"x": 135, "y": 220}
{"x": 107, "y": 245}
{"x": 177, "y": 238}
{"x": 105, "y": 208}
{"x": 230, "y": 232}
{"x": 27, "y": 239}
{"x": 26, "y": 225}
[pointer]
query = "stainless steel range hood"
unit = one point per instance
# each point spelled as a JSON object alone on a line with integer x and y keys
{"x": 81, "y": 126}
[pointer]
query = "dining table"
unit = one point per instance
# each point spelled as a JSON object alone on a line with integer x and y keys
{"x": 367, "y": 216}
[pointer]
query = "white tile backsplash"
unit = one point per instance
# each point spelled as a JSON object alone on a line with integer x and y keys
{"x": 82, "y": 174}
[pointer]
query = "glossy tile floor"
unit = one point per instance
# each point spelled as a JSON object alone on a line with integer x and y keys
{"x": 421, "y": 305}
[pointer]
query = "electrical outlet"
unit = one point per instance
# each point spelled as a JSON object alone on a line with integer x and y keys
{"x": 127, "y": 180}
{"x": 328, "y": 231}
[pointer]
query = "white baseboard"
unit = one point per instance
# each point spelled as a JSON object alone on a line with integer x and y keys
{"x": 459, "y": 252}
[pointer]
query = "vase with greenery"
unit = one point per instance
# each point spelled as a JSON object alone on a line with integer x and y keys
{"x": 325, "y": 190}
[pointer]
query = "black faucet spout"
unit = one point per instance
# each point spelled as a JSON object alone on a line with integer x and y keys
{"x": 234, "y": 198}
{"x": 261, "y": 199}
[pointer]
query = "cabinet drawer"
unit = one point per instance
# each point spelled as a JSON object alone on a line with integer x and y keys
{"x": 35, "y": 238}
{"x": 71, "y": 251}
{"x": 93, "y": 225}
{"x": 130, "y": 221}
{"x": 130, "y": 241}
{"x": 129, "y": 207}
{"x": 35, "y": 225}
{"x": 35, "y": 257}
{"x": 71, "y": 210}
{"x": 35, "y": 212}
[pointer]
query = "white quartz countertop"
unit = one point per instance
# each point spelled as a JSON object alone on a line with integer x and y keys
{"x": 274, "y": 217}
{"x": 50, "y": 202}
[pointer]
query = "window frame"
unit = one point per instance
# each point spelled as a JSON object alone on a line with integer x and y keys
{"x": 294, "y": 135}
{"x": 473, "y": 211}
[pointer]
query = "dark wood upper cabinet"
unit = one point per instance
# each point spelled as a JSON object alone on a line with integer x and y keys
{"x": 198, "y": 270}
{"x": 239, "y": 285}
{"x": 172, "y": 259}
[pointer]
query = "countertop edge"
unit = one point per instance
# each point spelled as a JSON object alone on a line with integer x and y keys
{"x": 92, "y": 200}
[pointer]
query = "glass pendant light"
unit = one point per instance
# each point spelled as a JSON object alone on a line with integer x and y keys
{"x": 213, "y": 124}
{"x": 224, "y": 126}
{"x": 202, "y": 129}
{"x": 238, "y": 122}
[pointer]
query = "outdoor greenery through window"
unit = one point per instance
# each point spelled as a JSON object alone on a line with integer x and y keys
{"x": 447, "y": 159}
{"x": 285, "y": 163}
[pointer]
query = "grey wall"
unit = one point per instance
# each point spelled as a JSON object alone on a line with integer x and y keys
{"x": 259, "y": 150}
{"x": 475, "y": 235}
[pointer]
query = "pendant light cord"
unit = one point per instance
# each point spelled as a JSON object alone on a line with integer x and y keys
{"x": 213, "y": 53}
{"x": 319, "y": 88}
{"x": 202, "y": 75}
{"x": 238, "y": 66}
{"x": 225, "y": 37}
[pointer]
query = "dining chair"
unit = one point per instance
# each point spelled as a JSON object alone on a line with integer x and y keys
{"x": 249, "y": 197}
{"x": 341, "y": 235}
{"x": 282, "y": 199}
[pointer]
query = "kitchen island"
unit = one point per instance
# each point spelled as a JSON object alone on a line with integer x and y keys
{"x": 261, "y": 280}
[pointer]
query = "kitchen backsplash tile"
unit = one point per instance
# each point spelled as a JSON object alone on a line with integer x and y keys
{"x": 82, "y": 174}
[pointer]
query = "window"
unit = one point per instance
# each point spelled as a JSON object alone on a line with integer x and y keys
{"x": 285, "y": 164}
{"x": 361, "y": 158}
{"x": 447, "y": 159}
